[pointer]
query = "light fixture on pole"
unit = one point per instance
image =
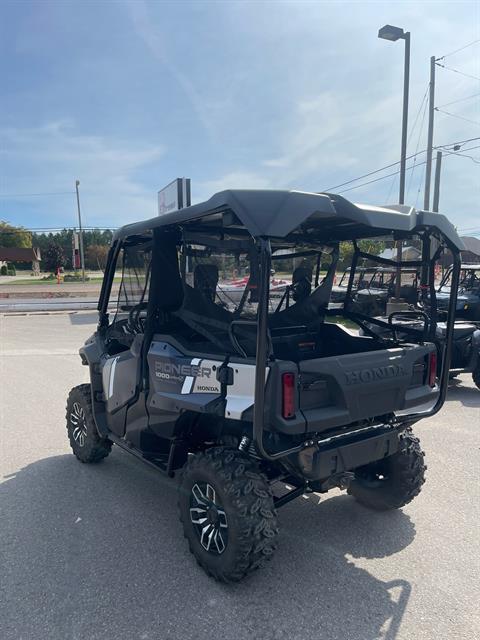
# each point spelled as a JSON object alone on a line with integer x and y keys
{"x": 389, "y": 32}
{"x": 80, "y": 230}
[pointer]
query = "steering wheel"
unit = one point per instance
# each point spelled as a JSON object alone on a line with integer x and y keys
{"x": 135, "y": 324}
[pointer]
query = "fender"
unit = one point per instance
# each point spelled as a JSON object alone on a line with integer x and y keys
{"x": 475, "y": 355}
{"x": 90, "y": 354}
{"x": 476, "y": 339}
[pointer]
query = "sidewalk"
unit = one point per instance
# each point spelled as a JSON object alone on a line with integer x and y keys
{"x": 63, "y": 290}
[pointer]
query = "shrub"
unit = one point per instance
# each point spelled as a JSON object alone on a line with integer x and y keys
{"x": 74, "y": 277}
{"x": 54, "y": 257}
{"x": 3, "y": 270}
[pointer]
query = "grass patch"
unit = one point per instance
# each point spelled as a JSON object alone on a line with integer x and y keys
{"x": 95, "y": 279}
{"x": 349, "y": 324}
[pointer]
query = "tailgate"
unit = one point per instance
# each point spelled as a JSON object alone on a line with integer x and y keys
{"x": 343, "y": 389}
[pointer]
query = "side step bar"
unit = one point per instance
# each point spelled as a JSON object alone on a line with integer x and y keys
{"x": 160, "y": 463}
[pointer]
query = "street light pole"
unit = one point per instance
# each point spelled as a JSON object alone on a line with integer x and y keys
{"x": 82, "y": 256}
{"x": 389, "y": 32}
{"x": 406, "y": 87}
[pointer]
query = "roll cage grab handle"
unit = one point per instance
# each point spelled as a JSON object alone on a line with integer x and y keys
{"x": 264, "y": 248}
{"x": 107, "y": 282}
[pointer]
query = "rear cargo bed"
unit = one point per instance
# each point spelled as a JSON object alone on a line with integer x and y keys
{"x": 340, "y": 390}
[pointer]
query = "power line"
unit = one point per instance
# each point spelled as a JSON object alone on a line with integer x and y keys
{"x": 447, "y": 55}
{"x": 418, "y": 112}
{"x": 418, "y": 142}
{"x": 392, "y": 184}
{"x": 467, "y": 75}
{"x": 420, "y": 183}
{"x": 462, "y": 155}
{"x": 389, "y": 175}
{"x": 447, "y": 104}
{"x": 364, "y": 184}
{"x": 393, "y": 164}
{"x": 454, "y": 115}
{"x": 472, "y": 148}
{"x": 423, "y": 103}
{"x": 29, "y": 195}
{"x": 458, "y": 142}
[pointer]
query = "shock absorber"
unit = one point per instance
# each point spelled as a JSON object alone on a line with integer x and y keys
{"x": 244, "y": 443}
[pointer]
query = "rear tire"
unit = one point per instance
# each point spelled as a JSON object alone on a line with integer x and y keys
{"x": 86, "y": 444}
{"x": 476, "y": 376}
{"x": 393, "y": 482}
{"x": 228, "y": 514}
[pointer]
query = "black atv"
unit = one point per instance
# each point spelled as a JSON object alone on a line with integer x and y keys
{"x": 465, "y": 356}
{"x": 254, "y": 400}
{"x": 468, "y": 295}
{"x": 362, "y": 278}
{"x": 373, "y": 297}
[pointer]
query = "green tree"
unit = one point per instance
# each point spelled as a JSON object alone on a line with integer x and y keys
{"x": 54, "y": 257}
{"x": 96, "y": 256}
{"x": 11, "y": 236}
{"x": 94, "y": 237}
{"x": 368, "y": 245}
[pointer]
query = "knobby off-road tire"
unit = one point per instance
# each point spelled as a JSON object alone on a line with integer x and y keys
{"x": 227, "y": 512}
{"x": 476, "y": 376}
{"x": 86, "y": 444}
{"x": 393, "y": 482}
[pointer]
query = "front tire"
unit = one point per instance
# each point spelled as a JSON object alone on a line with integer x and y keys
{"x": 393, "y": 482}
{"x": 86, "y": 444}
{"x": 228, "y": 514}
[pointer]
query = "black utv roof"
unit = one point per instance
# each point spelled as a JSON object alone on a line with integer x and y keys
{"x": 279, "y": 213}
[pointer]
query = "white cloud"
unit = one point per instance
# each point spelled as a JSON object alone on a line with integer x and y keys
{"x": 152, "y": 36}
{"x": 233, "y": 180}
{"x": 55, "y": 154}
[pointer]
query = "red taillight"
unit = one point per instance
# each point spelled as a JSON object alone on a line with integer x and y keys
{"x": 288, "y": 395}
{"x": 432, "y": 368}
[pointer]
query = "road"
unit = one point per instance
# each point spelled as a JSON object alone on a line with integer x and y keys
{"x": 21, "y": 305}
{"x": 96, "y": 552}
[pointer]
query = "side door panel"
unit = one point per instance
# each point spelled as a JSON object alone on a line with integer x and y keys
{"x": 121, "y": 379}
{"x": 178, "y": 383}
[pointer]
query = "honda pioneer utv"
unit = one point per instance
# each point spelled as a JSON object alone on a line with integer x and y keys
{"x": 257, "y": 399}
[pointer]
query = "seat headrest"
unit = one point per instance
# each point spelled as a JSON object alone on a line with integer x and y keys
{"x": 205, "y": 279}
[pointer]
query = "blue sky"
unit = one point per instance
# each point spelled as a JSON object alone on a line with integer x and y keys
{"x": 126, "y": 96}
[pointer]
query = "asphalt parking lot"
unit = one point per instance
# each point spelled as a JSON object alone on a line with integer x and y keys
{"x": 97, "y": 552}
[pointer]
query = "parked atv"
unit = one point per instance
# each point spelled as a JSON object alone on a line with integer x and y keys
{"x": 245, "y": 402}
{"x": 465, "y": 349}
{"x": 468, "y": 296}
{"x": 465, "y": 356}
{"x": 362, "y": 278}
{"x": 373, "y": 297}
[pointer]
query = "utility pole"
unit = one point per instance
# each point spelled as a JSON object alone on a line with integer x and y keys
{"x": 82, "y": 256}
{"x": 436, "y": 188}
{"x": 431, "y": 112}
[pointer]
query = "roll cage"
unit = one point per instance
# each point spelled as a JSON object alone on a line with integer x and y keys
{"x": 262, "y": 222}
{"x": 469, "y": 278}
